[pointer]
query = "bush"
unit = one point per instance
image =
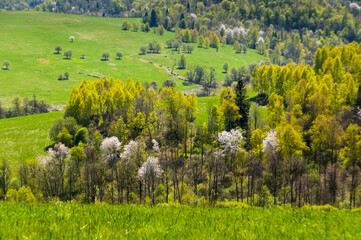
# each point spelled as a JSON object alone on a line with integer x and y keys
{"x": 126, "y": 25}
{"x": 231, "y": 204}
{"x": 169, "y": 83}
{"x": 69, "y": 123}
{"x": 23, "y": 195}
{"x": 65, "y": 138}
{"x": 6, "y": 64}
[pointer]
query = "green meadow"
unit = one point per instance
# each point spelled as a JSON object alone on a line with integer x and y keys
{"x": 28, "y": 40}
{"x": 81, "y": 221}
{"x": 25, "y": 137}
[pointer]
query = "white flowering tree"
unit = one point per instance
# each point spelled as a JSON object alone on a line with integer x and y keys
{"x": 71, "y": 38}
{"x": 231, "y": 143}
{"x": 148, "y": 172}
{"x": 54, "y": 169}
{"x": 272, "y": 152}
{"x": 111, "y": 152}
{"x": 132, "y": 157}
{"x": 155, "y": 146}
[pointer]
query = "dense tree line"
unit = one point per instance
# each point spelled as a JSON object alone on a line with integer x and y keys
{"x": 124, "y": 143}
{"x": 23, "y": 107}
{"x": 18, "y": 5}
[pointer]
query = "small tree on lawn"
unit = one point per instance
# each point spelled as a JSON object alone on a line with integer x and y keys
{"x": 58, "y": 49}
{"x": 161, "y": 30}
{"x": 105, "y": 56}
{"x": 183, "y": 62}
{"x": 60, "y": 77}
{"x": 66, "y": 75}
{"x": 83, "y": 56}
{"x": 225, "y": 67}
{"x": 68, "y": 54}
{"x": 135, "y": 27}
{"x": 143, "y": 50}
{"x": 6, "y": 64}
{"x": 190, "y": 48}
{"x": 125, "y": 25}
{"x": 119, "y": 55}
{"x": 71, "y": 38}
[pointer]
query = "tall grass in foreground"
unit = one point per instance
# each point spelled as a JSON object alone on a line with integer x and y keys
{"x": 78, "y": 221}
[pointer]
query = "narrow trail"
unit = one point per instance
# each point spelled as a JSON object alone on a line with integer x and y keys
{"x": 167, "y": 69}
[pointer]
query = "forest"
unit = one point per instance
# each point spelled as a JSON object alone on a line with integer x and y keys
{"x": 122, "y": 142}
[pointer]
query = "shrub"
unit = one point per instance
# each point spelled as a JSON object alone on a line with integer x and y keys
{"x": 125, "y": 25}
{"x": 6, "y": 64}
{"x": 23, "y": 195}
{"x": 169, "y": 83}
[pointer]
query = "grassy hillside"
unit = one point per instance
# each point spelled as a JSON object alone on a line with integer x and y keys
{"x": 49, "y": 221}
{"x": 28, "y": 40}
{"x": 25, "y": 137}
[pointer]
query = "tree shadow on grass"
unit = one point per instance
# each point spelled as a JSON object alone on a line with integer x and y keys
{"x": 104, "y": 60}
{"x": 5, "y": 68}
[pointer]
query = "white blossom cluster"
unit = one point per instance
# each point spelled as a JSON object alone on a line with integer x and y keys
{"x": 231, "y": 33}
{"x": 155, "y": 146}
{"x": 230, "y": 140}
{"x": 150, "y": 168}
{"x": 355, "y": 6}
{"x": 111, "y": 149}
{"x": 44, "y": 160}
{"x": 193, "y": 16}
{"x": 71, "y": 38}
{"x": 260, "y": 41}
{"x": 60, "y": 151}
{"x": 270, "y": 142}
{"x": 129, "y": 150}
{"x": 358, "y": 114}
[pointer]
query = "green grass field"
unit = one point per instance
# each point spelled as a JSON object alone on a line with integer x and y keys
{"x": 25, "y": 137}
{"x": 79, "y": 221}
{"x": 28, "y": 40}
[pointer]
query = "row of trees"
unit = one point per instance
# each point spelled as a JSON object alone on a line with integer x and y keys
{"x": 68, "y": 54}
{"x": 23, "y": 107}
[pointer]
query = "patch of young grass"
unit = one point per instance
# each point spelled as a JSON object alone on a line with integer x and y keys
{"x": 81, "y": 221}
{"x": 25, "y": 137}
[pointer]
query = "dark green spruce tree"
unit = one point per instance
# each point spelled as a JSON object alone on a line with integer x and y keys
{"x": 145, "y": 17}
{"x": 243, "y": 103}
{"x": 358, "y": 100}
{"x": 153, "y": 19}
